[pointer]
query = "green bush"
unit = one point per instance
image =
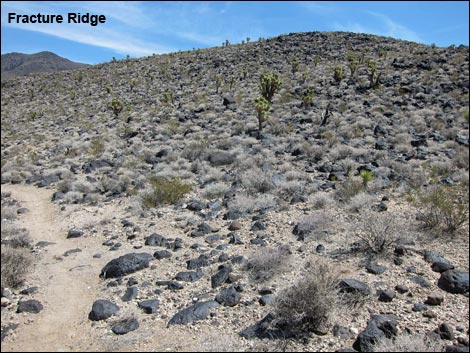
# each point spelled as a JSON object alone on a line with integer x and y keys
{"x": 366, "y": 177}
{"x": 269, "y": 85}
{"x": 165, "y": 191}
{"x": 445, "y": 207}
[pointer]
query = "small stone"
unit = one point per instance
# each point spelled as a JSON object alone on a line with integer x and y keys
{"x": 445, "y": 331}
{"x": 419, "y": 307}
{"x": 435, "y": 298}
{"x": 401, "y": 288}
{"x": 386, "y": 295}
{"x": 430, "y": 314}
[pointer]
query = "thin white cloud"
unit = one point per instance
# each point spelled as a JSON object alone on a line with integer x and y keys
{"x": 396, "y": 30}
{"x": 386, "y": 27}
{"x": 114, "y": 36}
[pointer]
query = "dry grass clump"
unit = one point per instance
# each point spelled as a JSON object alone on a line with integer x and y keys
{"x": 267, "y": 263}
{"x": 244, "y": 204}
{"x": 409, "y": 343}
{"x": 16, "y": 263}
{"x": 311, "y": 302}
{"x": 378, "y": 232}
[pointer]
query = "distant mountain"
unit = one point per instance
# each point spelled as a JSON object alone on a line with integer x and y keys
{"x": 14, "y": 64}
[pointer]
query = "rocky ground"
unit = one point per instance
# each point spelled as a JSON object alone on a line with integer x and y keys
{"x": 263, "y": 211}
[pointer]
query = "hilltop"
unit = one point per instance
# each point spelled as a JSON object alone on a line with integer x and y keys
{"x": 357, "y": 179}
{"x": 14, "y": 64}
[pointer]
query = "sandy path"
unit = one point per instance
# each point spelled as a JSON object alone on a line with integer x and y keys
{"x": 67, "y": 285}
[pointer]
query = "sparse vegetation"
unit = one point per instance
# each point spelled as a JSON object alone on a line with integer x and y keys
{"x": 310, "y": 303}
{"x": 165, "y": 191}
{"x": 445, "y": 207}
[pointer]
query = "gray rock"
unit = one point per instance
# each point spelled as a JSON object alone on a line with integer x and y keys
{"x": 196, "y": 312}
{"x": 131, "y": 293}
{"x": 126, "y": 264}
{"x": 125, "y": 326}
{"x": 378, "y": 327}
{"x": 220, "y": 277}
{"x": 29, "y": 306}
{"x": 228, "y": 297}
{"x": 162, "y": 254}
{"x": 102, "y": 309}
{"x": 74, "y": 233}
{"x": 350, "y": 285}
{"x": 267, "y": 299}
{"x": 149, "y": 306}
{"x": 454, "y": 281}
{"x": 189, "y": 276}
{"x": 375, "y": 268}
{"x": 386, "y": 295}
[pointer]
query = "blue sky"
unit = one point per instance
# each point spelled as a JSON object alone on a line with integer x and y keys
{"x": 138, "y": 28}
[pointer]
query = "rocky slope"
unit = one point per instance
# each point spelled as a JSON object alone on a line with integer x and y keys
{"x": 340, "y": 180}
{"x": 14, "y": 64}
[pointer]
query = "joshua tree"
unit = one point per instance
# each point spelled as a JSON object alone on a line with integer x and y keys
{"x": 307, "y": 99}
{"x": 262, "y": 107}
{"x": 269, "y": 85}
{"x": 116, "y": 106}
{"x": 338, "y": 74}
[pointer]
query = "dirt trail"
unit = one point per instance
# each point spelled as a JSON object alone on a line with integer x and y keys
{"x": 68, "y": 285}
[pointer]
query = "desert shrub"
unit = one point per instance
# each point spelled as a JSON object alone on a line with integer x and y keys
{"x": 377, "y": 232}
{"x": 266, "y": 263}
{"x": 321, "y": 200}
{"x": 348, "y": 189}
{"x": 11, "y": 231}
{"x": 257, "y": 181}
{"x": 311, "y": 302}
{"x": 16, "y": 263}
{"x": 96, "y": 148}
{"x": 444, "y": 207}
{"x": 195, "y": 150}
{"x": 9, "y": 213}
{"x": 243, "y": 204}
{"x": 409, "y": 343}
{"x": 165, "y": 191}
{"x": 360, "y": 201}
{"x": 215, "y": 190}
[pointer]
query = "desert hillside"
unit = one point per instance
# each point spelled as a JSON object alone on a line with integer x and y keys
{"x": 14, "y": 64}
{"x": 307, "y": 192}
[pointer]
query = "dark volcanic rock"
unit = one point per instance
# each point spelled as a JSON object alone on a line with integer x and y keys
{"x": 220, "y": 277}
{"x": 131, "y": 293}
{"x": 189, "y": 276}
{"x": 102, "y": 309}
{"x": 228, "y": 297}
{"x": 126, "y": 264}
{"x": 74, "y": 233}
{"x": 454, "y": 281}
{"x": 378, "y": 327}
{"x": 196, "y": 312}
{"x": 29, "y": 306}
{"x": 149, "y": 306}
{"x": 125, "y": 326}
